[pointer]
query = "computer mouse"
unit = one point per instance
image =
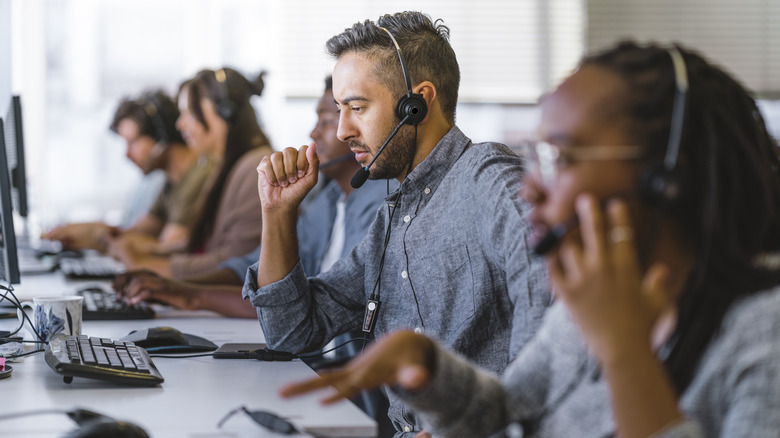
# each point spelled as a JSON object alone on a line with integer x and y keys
{"x": 106, "y": 428}
{"x": 157, "y": 337}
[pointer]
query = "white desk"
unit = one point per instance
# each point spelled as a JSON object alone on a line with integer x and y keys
{"x": 196, "y": 394}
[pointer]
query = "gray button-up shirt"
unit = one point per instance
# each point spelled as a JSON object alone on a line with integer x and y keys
{"x": 456, "y": 265}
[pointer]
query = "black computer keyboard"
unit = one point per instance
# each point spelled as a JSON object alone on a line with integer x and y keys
{"x": 90, "y": 267}
{"x": 101, "y": 304}
{"x": 103, "y": 359}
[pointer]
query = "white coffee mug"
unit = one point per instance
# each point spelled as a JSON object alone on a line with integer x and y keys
{"x": 54, "y": 315}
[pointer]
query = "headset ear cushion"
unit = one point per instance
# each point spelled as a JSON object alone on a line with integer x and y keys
{"x": 414, "y": 106}
{"x": 661, "y": 187}
{"x": 227, "y": 110}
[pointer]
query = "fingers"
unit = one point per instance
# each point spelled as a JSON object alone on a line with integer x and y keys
{"x": 310, "y": 153}
{"x": 413, "y": 377}
{"x": 136, "y": 291}
{"x": 591, "y": 225}
{"x": 306, "y": 386}
{"x": 286, "y": 167}
{"x": 290, "y": 165}
{"x": 120, "y": 283}
{"x": 135, "y": 287}
{"x": 621, "y": 236}
{"x": 402, "y": 358}
{"x": 655, "y": 285}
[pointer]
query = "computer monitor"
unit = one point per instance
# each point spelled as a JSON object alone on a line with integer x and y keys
{"x": 14, "y": 141}
{"x": 9, "y": 262}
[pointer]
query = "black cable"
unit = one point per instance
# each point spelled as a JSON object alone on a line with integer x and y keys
{"x": 22, "y": 341}
{"x": 79, "y": 416}
{"x": 15, "y": 301}
{"x": 322, "y": 353}
{"x": 24, "y": 354}
{"x": 182, "y": 355}
{"x": 406, "y": 255}
{"x": 13, "y": 415}
{"x": 268, "y": 355}
{"x": 377, "y": 291}
{"x": 5, "y": 297}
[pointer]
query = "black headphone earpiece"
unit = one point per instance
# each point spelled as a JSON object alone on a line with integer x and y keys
{"x": 226, "y": 108}
{"x": 153, "y": 112}
{"x": 663, "y": 184}
{"x": 413, "y": 108}
{"x": 661, "y": 187}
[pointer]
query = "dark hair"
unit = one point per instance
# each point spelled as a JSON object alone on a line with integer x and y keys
{"x": 731, "y": 165}
{"x": 425, "y": 46}
{"x": 328, "y": 83}
{"x": 154, "y": 112}
{"x": 244, "y": 133}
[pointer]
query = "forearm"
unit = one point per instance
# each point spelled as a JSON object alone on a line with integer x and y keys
{"x": 225, "y": 300}
{"x": 220, "y": 276}
{"x": 149, "y": 225}
{"x": 295, "y": 317}
{"x": 460, "y": 400}
{"x": 279, "y": 252}
{"x": 643, "y": 399}
{"x": 158, "y": 265}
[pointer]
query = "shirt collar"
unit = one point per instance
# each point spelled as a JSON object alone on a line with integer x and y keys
{"x": 431, "y": 171}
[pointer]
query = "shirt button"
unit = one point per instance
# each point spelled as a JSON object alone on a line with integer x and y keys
{"x": 404, "y": 274}
{"x": 407, "y": 218}
{"x": 427, "y": 191}
{"x": 407, "y": 429}
{"x": 417, "y": 330}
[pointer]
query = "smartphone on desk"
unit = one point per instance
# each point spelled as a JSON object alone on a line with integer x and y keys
{"x": 237, "y": 350}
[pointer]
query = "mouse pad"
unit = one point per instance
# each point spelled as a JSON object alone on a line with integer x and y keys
{"x": 196, "y": 344}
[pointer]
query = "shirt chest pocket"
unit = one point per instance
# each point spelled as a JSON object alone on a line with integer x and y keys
{"x": 441, "y": 285}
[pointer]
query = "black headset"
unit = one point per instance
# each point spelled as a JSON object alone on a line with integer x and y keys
{"x": 662, "y": 185}
{"x": 412, "y": 106}
{"x": 226, "y": 108}
{"x": 410, "y": 109}
{"x": 153, "y": 112}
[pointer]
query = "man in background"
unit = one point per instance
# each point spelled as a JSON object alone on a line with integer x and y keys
{"x": 148, "y": 126}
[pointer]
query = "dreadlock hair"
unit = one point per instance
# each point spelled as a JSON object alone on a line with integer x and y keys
{"x": 731, "y": 165}
{"x": 244, "y": 133}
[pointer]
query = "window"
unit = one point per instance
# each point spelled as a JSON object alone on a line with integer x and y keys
{"x": 743, "y": 36}
{"x": 510, "y": 51}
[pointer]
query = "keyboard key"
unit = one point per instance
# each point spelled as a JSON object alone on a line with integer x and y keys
{"x": 101, "y": 358}
{"x": 101, "y": 303}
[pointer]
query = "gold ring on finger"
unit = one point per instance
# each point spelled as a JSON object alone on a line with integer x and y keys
{"x": 621, "y": 234}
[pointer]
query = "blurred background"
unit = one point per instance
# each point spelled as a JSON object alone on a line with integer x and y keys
{"x": 73, "y": 60}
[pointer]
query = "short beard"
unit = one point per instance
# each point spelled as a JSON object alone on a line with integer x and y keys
{"x": 397, "y": 158}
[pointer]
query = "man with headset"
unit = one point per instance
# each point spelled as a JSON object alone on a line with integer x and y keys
{"x": 443, "y": 256}
{"x": 148, "y": 126}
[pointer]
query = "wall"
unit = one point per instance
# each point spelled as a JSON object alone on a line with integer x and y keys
{"x": 5, "y": 55}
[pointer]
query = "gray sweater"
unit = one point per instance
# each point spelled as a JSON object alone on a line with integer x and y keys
{"x": 553, "y": 388}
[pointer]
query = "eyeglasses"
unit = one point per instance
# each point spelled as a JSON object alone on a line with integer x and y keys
{"x": 266, "y": 419}
{"x": 549, "y": 159}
